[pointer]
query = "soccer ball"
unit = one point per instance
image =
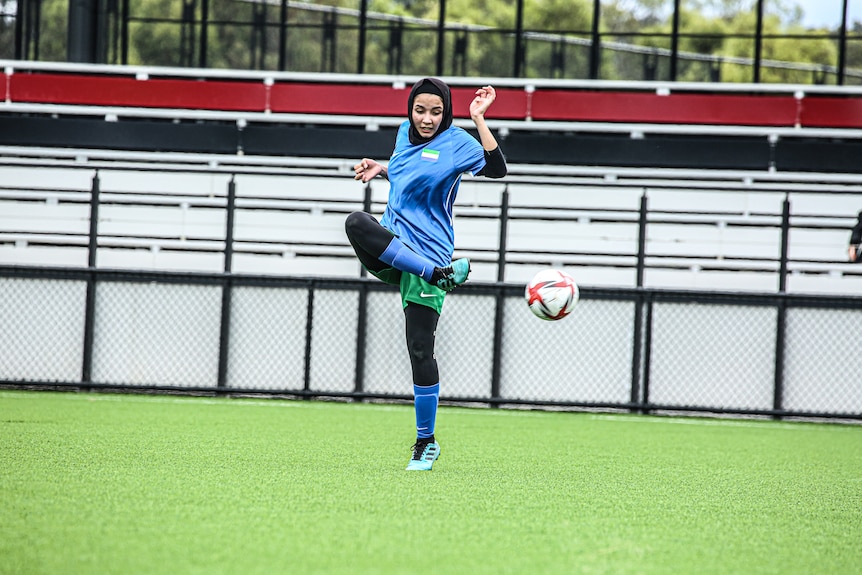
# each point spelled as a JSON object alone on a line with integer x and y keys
{"x": 552, "y": 294}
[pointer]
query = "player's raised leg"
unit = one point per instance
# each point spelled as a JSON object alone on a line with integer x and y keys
{"x": 367, "y": 235}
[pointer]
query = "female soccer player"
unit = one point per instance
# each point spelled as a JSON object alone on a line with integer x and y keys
{"x": 413, "y": 243}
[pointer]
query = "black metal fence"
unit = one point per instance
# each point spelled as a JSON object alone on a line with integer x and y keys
{"x": 630, "y": 349}
{"x": 636, "y": 349}
{"x": 297, "y": 36}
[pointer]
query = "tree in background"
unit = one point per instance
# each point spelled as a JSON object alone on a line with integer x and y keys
{"x": 157, "y": 35}
{"x": 50, "y": 17}
{"x": 854, "y": 55}
{"x": 725, "y": 29}
{"x": 7, "y": 27}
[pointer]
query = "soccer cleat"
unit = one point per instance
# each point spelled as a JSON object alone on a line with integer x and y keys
{"x": 454, "y": 274}
{"x": 425, "y": 452}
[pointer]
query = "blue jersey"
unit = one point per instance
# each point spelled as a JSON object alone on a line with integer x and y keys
{"x": 424, "y": 182}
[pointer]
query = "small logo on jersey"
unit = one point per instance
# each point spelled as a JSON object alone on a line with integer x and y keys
{"x": 430, "y": 155}
{"x": 423, "y": 294}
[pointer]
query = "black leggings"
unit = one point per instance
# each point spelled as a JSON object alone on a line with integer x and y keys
{"x": 421, "y": 322}
{"x": 369, "y": 240}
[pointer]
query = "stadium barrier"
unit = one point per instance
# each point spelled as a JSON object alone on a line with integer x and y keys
{"x": 782, "y": 128}
{"x": 700, "y": 228}
{"x": 75, "y": 319}
{"x": 542, "y": 100}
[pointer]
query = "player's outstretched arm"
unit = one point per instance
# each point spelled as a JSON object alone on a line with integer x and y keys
{"x": 495, "y": 163}
{"x": 484, "y": 98}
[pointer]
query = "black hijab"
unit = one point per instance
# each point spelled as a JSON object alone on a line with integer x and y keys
{"x": 430, "y": 86}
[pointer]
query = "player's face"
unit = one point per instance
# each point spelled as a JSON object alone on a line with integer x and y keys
{"x": 427, "y": 114}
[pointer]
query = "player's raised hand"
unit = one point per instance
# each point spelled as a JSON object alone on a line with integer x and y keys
{"x": 366, "y": 170}
{"x": 485, "y": 96}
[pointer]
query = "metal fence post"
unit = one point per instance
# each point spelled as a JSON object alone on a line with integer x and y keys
{"x": 500, "y": 303}
{"x": 90, "y": 304}
{"x": 842, "y": 44}
{"x": 596, "y": 41}
{"x": 204, "y": 34}
{"x": 519, "y": 40}
{"x": 785, "y": 239}
{"x": 781, "y": 319}
{"x": 758, "y": 42}
{"x": 441, "y": 37}
{"x": 504, "y": 234}
{"x": 642, "y": 224}
{"x": 647, "y": 355}
{"x": 124, "y": 34}
{"x": 674, "y": 42}
{"x": 227, "y": 287}
{"x": 637, "y": 336}
{"x": 282, "y": 37}
{"x": 362, "y": 312}
{"x": 309, "y": 324}
{"x": 363, "y": 30}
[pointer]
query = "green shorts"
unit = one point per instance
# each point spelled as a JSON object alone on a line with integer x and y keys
{"x": 413, "y": 288}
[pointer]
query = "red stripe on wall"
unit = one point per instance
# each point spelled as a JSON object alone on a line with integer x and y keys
{"x": 670, "y": 109}
{"x": 511, "y": 103}
{"x": 300, "y": 98}
{"x": 153, "y": 93}
{"x": 386, "y": 100}
{"x": 831, "y": 112}
{"x": 374, "y": 100}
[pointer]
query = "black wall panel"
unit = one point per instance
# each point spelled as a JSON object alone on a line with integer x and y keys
{"x": 584, "y": 149}
{"x": 322, "y": 141}
{"x": 162, "y": 136}
{"x": 818, "y": 155}
{"x": 659, "y": 151}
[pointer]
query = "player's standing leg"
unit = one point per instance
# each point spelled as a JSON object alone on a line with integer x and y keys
{"x": 421, "y": 324}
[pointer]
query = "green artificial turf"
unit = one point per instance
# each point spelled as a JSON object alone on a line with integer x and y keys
{"x": 133, "y": 484}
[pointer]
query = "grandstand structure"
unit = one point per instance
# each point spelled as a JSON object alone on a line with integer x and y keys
{"x": 713, "y": 167}
{"x": 702, "y": 222}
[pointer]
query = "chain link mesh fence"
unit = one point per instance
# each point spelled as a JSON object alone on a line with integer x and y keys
{"x": 585, "y": 358}
{"x": 41, "y": 329}
{"x": 387, "y": 365}
{"x": 267, "y": 338}
{"x": 333, "y": 340}
{"x": 823, "y": 364}
{"x": 465, "y": 345}
{"x": 731, "y": 353}
{"x": 157, "y": 334}
{"x": 712, "y": 355}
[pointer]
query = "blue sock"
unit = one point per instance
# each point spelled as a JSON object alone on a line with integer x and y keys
{"x": 425, "y": 401}
{"x": 403, "y": 258}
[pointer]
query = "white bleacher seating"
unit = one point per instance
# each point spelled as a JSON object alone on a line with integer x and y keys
{"x": 706, "y": 229}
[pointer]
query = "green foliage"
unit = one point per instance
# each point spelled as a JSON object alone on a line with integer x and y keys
{"x": 818, "y": 51}
{"x": 155, "y": 36}
{"x": 558, "y": 15}
{"x": 854, "y": 55}
{"x": 53, "y": 31}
